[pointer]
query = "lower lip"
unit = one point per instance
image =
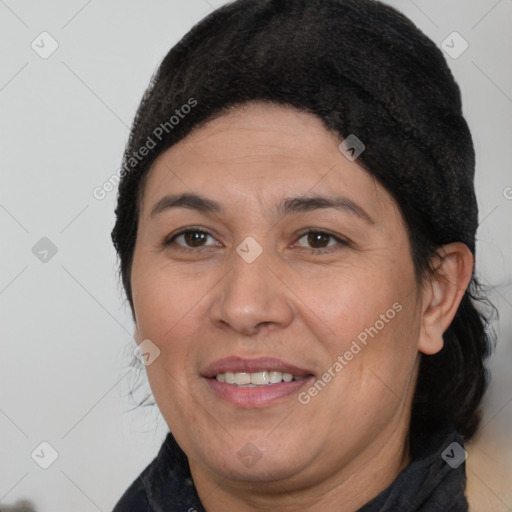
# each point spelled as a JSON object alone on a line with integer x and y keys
{"x": 256, "y": 397}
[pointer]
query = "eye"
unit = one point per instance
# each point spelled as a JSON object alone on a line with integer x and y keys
{"x": 189, "y": 239}
{"x": 320, "y": 241}
{"x": 192, "y": 239}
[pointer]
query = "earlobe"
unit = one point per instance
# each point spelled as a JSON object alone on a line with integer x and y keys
{"x": 443, "y": 293}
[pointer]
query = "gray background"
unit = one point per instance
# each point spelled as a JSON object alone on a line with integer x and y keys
{"x": 66, "y": 331}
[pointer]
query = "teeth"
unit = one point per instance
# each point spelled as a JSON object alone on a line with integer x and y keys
{"x": 242, "y": 378}
{"x": 256, "y": 378}
{"x": 287, "y": 377}
{"x": 276, "y": 377}
{"x": 259, "y": 378}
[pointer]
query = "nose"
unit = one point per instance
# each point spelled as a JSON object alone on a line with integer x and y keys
{"x": 253, "y": 297}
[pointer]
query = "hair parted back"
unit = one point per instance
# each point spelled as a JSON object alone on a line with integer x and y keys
{"x": 363, "y": 68}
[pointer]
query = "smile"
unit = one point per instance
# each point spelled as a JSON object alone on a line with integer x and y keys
{"x": 256, "y": 379}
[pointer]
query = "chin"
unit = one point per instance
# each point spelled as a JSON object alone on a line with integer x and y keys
{"x": 258, "y": 460}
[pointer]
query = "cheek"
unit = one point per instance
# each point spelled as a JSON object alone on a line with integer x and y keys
{"x": 171, "y": 310}
{"x": 388, "y": 358}
{"x": 357, "y": 300}
{"x": 167, "y": 311}
{"x": 164, "y": 302}
{"x": 373, "y": 323}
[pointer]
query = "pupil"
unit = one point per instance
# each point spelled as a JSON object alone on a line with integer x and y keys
{"x": 191, "y": 237}
{"x": 316, "y": 237}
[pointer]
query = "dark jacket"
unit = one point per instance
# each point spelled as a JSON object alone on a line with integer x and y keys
{"x": 434, "y": 481}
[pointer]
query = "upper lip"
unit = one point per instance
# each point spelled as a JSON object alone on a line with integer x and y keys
{"x": 258, "y": 364}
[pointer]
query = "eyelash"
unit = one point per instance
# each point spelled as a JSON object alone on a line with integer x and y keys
{"x": 324, "y": 250}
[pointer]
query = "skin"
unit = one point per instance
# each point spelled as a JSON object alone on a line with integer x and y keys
{"x": 293, "y": 303}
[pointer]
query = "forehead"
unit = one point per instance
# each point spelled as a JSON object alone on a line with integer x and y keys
{"x": 262, "y": 152}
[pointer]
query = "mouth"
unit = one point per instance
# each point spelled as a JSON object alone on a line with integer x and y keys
{"x": 254, "y": 382}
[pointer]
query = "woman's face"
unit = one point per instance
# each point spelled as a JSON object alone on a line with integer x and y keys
{"x": 267, "y": 282}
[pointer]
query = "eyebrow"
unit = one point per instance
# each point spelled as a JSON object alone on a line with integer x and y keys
{"x": 288, "y": 206}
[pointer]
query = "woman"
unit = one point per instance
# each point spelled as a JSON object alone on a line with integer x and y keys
{"x": 296, "y": 231}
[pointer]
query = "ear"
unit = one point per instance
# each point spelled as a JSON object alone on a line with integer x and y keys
{"x": 442, "y": 294}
